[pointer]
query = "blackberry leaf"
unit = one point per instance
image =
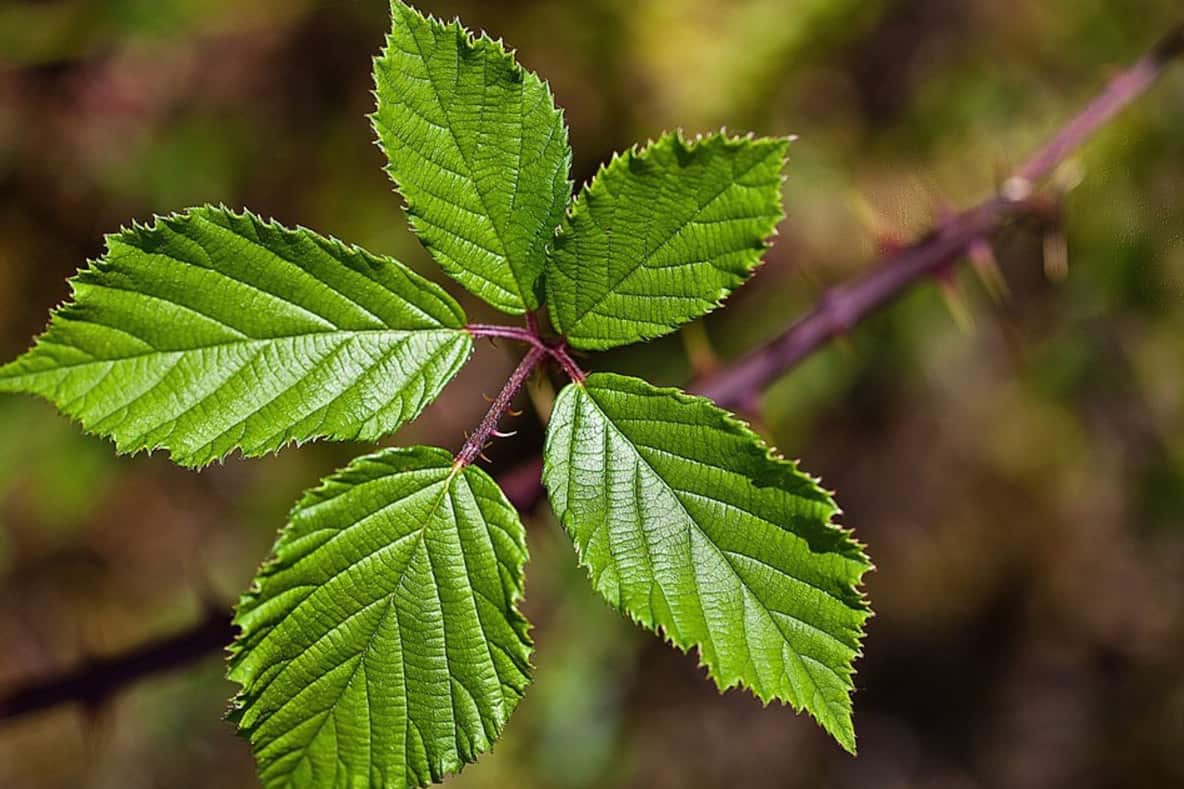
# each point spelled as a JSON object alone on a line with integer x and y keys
{"x": 211, "y": 331}
{"x": 479, "y": 151}
{"x": 381, "y": 645}
{"x": 661, "y": 235}
{"x": 687, "y": 523}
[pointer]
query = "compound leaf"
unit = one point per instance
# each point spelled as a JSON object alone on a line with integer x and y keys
{"x": 381, "y": 645}
{"x": 479, "y": 151}
{"x": 687, "y": 522}
{"x": 661, "y": 235}
{"x": 211, "y": 331}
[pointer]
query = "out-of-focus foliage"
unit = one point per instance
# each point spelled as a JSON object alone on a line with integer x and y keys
{"x": 1030, "y": 584}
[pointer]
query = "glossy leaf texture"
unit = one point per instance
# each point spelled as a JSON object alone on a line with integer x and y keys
{"x": 211, "y": 331}
{"x": 382, "y": 644}
{"x": 661, "y": 235}
{"x": 687, "y": 522}
{"x": 479, "y": 151}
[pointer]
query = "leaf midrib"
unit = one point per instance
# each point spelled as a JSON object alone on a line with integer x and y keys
{"x": 643, "y": 260}
{"x": 678, "y": 493}
{"x": 497, "y": 231}
{"x": 201, "y": 217}
{"x": 694, "y": 524}
{"x": 248, "y": 342}
{"x": 419, "y": 537}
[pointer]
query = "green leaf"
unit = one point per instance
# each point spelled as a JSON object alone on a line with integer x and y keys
{"x": 382, "y": 644}
{"x": 478, "y": 150}
{"x": 210, "y": 331}
{"x": 660, "y": 236}
{"x": 687, "y": 522}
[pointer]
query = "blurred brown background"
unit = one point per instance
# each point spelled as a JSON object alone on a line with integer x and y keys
{"x": 1019, "y": 483}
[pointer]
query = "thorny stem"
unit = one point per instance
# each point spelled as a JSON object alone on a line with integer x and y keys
{"x": 501, "y": 404}
{"x": 1122, "y": 90}
{"x": 561, "y": 354}
{"x": 733, "y": 386}
{"x": 516, "y": 333}
{"x": 556, "y": 349}
{"x": 839, "y": 310}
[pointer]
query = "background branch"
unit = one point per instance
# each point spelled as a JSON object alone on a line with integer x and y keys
{"x": 97, "y": 679}
{"x": 735, "y": 386}
{"x": 842, "y": 308}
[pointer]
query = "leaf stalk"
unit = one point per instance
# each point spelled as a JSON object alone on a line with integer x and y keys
{"x": 475, "y": 445}
{"x": 557, "y": 350}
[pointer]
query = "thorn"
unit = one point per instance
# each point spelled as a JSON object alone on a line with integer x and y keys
{"x": 484, "y": 457}
{"x": 500, "y": 434}
{"x": 986, "y": 266}
{"x": 514, "y": 413}
{"x": 1069, "y": 175}
{"x": 955, "y": 303}
{"x": 888, "y": 238}
{"x": 488, "y": 399}
{"x": 1056, "y": 256}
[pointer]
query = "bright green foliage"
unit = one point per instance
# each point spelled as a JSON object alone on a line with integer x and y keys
{"x": 212, "y": 331}
{"x": 661, "y": 235}
{"x": 478, "y": 150}
{"x": 686, "y": 522}
{"x": 382, "y": 645}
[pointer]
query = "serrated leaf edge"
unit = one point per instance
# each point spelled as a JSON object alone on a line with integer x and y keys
{"x": 339, "y": 480}
{"x": 138, "y": 228}
{"x": 860, "y": 593}
{"x": 641, "y": 151}
{"x": 474, "y": 40}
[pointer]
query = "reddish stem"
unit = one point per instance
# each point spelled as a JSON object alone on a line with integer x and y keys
{"x": 560, "y": 354}
{"x": 557, "y": 350}
{"x": 516, "y": 333}
{"x": 501, "y": 404}
{"x": 846, "y": 305}
{"x": 1123, "y": 89}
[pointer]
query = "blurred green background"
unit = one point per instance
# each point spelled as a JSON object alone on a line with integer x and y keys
{"x": 1018, "y": 482}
